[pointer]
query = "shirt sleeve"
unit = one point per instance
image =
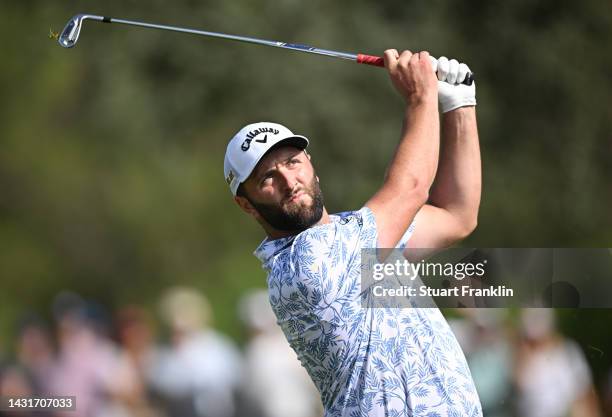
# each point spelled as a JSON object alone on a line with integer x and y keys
{"x": 407, "y": 235}
{"x": 370, "y": 219}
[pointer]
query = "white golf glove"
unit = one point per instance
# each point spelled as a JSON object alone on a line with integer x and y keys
{"x": 451, "y": 93}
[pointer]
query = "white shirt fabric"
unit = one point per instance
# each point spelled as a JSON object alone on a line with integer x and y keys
{"x": 370, "y": 362}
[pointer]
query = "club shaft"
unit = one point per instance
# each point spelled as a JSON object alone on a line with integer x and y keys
{"x": 284, "y": 45}
{"x": 70, "y": 35}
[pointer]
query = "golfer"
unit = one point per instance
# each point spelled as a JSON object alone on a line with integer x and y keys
{"x": 369, "y": 361}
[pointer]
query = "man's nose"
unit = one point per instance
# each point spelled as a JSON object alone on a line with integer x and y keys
{"x": 288, "y": 179}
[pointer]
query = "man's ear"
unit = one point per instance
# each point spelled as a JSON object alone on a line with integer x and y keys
{"x": 246, "y": 206}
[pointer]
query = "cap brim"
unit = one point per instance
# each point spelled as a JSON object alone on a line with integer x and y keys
{"x": 297, "y": 141}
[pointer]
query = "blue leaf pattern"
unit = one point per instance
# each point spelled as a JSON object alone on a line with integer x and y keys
{"x": 365, "y": 362}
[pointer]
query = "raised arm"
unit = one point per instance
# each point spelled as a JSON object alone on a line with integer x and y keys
{"x": 413, "y": 167}
{"x": 452, "y": 210}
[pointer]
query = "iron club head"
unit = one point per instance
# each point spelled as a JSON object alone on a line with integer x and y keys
{"x": 70, "y": 35}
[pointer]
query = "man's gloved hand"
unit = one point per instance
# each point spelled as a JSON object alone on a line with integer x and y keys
{"x": 451, "y": 93}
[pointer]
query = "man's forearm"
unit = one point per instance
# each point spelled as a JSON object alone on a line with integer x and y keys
{"x": 457, "y": 186}
{"x": 416, "y": 157}
{"x": 411, "y": 172}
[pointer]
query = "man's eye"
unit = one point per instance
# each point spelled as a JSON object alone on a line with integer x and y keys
{"x": 294, "y": 161}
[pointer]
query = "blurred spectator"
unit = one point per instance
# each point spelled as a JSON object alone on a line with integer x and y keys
{"x": 488, "y": 349}
{"x": 607, "y": 393}
{"x": 15, "y": 382}
{"x": 35, "y": 351}
{"x": 275, "y": 383}
{"x": 552, "y": 375}
{"x": 198, "y": 375}
{"x": 89, "y": 366}
{"x": 135, "y": 331}
{"x": 136, "y": 336}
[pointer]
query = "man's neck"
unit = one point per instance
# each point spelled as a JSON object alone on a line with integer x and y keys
{"x": 274, "y": 234}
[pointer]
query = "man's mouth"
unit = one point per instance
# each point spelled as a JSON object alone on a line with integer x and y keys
{"x": 295, "y": 197}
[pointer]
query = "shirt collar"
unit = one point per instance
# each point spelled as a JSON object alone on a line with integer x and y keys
{"x": 268, "y": 248}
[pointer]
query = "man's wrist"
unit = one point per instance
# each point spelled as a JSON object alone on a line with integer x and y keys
{"x": 459, "y": 121}
{"x": 428, "y": 102}
{"x": 460, "y": 112}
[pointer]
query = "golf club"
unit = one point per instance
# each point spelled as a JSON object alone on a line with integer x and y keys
{"x": 70, "y": 35}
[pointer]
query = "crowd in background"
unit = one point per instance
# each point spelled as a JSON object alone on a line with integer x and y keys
{"x": 116, "y": 366}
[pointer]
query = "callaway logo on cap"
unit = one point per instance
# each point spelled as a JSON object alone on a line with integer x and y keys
{"x": 250, "y": 144}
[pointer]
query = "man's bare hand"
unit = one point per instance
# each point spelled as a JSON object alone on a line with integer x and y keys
{"x": 412, "y": 76}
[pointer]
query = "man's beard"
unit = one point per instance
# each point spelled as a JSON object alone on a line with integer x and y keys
{"x": 289, "y": 217}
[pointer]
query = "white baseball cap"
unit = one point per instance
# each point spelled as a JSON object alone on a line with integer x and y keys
{"x": 250, "y": 144}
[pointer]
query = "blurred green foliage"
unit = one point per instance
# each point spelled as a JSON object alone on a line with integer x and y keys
{"x": 112, "y": 152}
